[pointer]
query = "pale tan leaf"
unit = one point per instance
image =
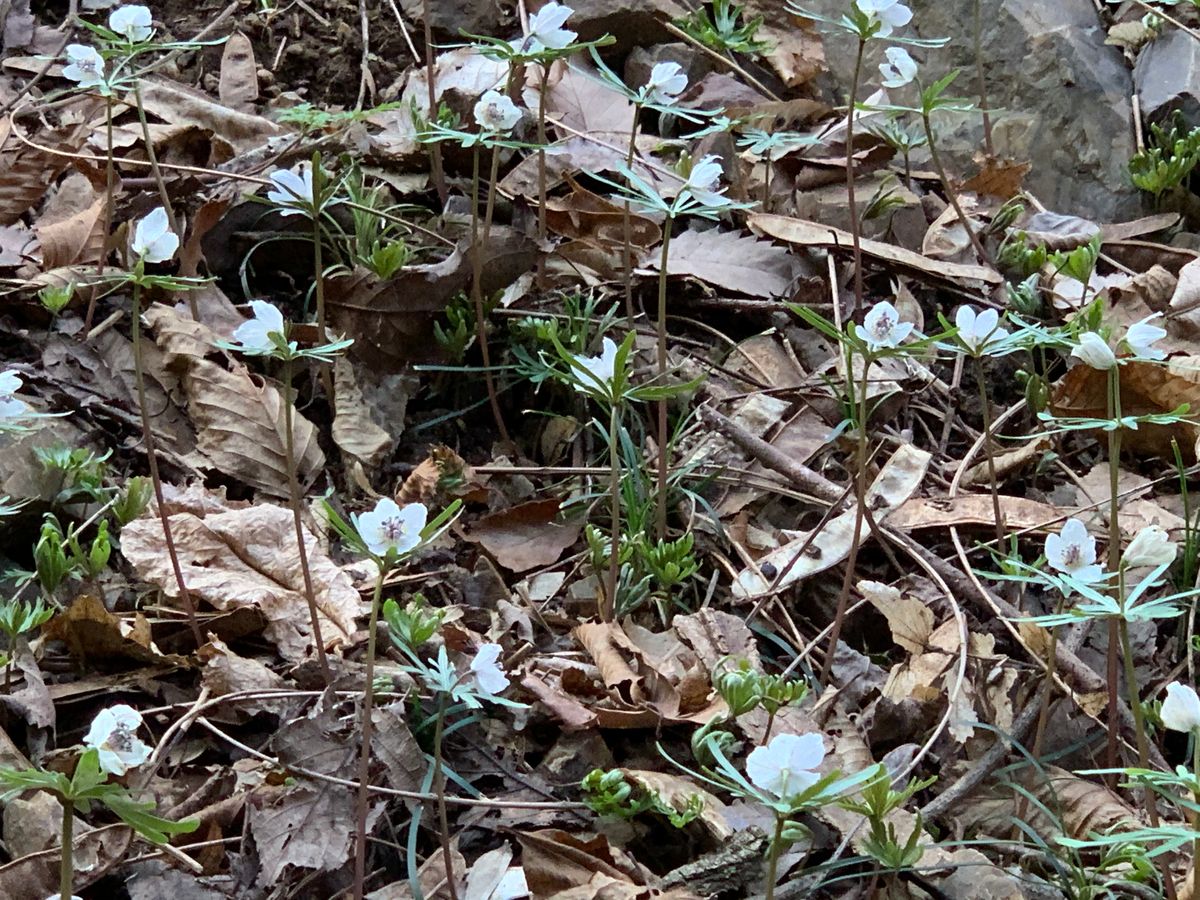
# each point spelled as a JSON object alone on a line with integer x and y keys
{"x": 247, "y": 557}
{"x": 238, "y": 84}
{"x": 910, "y": 620}
{"x": 79, "y": 238}
{"x": 353, "y": 429}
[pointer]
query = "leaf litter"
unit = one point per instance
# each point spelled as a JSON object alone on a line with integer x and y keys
{"x": 840, "y": 537}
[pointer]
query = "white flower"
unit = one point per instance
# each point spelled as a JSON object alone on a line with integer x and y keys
{"x": 1151, "y": 546}
{"x": 489, "y": 677}
{"x": 890, "y": 14}
{"x": 787, "y": 765}
{"x": 667, "y": 81}
{"x": 1094, "y": 351}
{"x": 255, "y": 334}
{"x": 11, "y": 406}
{"x": 1141, "y": 335}
{"x": 132, "y": 22}
{"x": 1073, "y": 552}
{"x": 114, "y": 735}
{"x": 882, "y": 327}
{"x": 84, "y": 65}
{"x": 546, "y": 31}
{"x": 1181, "y": 710}
{"x": 153, "y": 239}
{"x": 388, "y": 527}
{"x": 293, "y": 190}
{"x": 899, "y": 69}
{"x": 496, "y": 112}
{"x": 57, "y": 896}
{"x": 703, "y": 179}
{"x": 601, "y": 369}
{"x": 977, "y": 330}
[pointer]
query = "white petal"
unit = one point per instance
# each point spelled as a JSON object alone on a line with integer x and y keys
{"x": 1094, "y": 351}
{"x": 1181, "y": 710}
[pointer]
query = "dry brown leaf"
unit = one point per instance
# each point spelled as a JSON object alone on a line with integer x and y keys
{"x": 814, "y": 234}
{"x": 239, "y": 421}
{"x": 998, "y": 178}
{"x": 354, "y": 431}
{"x": 238, "y": 84}
{"x": 78, "y": 238}
{"x": 677, "y": 792}
{"x": 25, "y": 172}
{"x": 732, "y": 261}
{"x": 227, "y": 673}
{"x": 973, "y": 509}
{"x": 96, "y": 636}
{"x": 247, "y": 558}
{"x": 177, "y": 104}
{"x": 1059, "y": 232}
{"x": 525, "y": 537}
{"x": 431, "y": 875}
{"x": 556, "y": 861}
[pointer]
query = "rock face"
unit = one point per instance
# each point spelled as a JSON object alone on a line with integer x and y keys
{"x": 1060, "y": 97}
{"x": 1167, "y": 76}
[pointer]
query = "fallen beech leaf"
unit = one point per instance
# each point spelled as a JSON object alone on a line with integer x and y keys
{"x": 1059, "y": 232}
{"x": 732, "y": 261}
{"x": 239, "y": 421}
{"x": 973, "y": 509}
{"x": 247, "y": 558}
{"x": 813, "y": 234}
{"x": 78, "y": 238}
{"x": 556, "y": 861}
{"x": 998, "y": 178}
{"x": 910, "y": 620}
{"x": 526, "y": 536}
{"x": 175, "y": 103}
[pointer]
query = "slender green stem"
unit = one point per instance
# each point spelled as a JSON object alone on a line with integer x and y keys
{"x": 139, "y": 376}
{"x": 541, "y": 137}
{"x": 773, "y": 856}
{"x": 951, "y": 194}
{"x": 608, "y": 613}
{"x": 66, "y": 869}
{"x": 660, "y": 510}
{"x": 164, "y": 196}
{"x": 855, "y": 227}
{"x": 479, "y": 245}
{"x": 860, "y": 512}
{"x": 627, "y": 219}
{"x": 439, "y": 788}
{"x": 364, "y": 759}
{"x": 289, "y": 441}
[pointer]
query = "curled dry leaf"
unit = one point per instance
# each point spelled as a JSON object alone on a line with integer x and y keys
{"x": 247, "y": 558}
{"x": 354, "y": 431}
{"x": 733, "y": 261}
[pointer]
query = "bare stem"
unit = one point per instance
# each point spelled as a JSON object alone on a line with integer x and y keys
{"x": 435, "y": 150}
{"x": 627, "y": 220}
{"x": 319, "y": 282}
{"x": 986, "y": 407}
{"x": 294, "y": 491}
{"x": 66, "y": 869}
{"x": 855, "y": 229}
{"x": 773, "y": 857}
{"x": 439, "y": 788}
{"x": 984, "y": 111}
{"x": 1113, "y": 562}
{"x": 139, "y": 375}
{"x": 608, "y": 613}
{"x": 478, "y": 246}
{"x": 164, "y": 196}
{"x": 860, "y": 512}
{"x": 109, "y": 181}
{"x": 660, "y": 517}
{"x": 364, "y": 759}
{"x": 951, "y": 195}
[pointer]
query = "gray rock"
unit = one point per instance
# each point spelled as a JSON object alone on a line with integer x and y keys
{"x": 633, "y": 23}
{"x": 643, "y": 59}
{"x": 1167, "y": 76}
{"x": 1060, "y": 97}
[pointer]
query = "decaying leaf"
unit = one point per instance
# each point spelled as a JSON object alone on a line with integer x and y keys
{"x": 247, "y": 557}
{"x": 526, "y": 536}
{"x": 731, "y": 261}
